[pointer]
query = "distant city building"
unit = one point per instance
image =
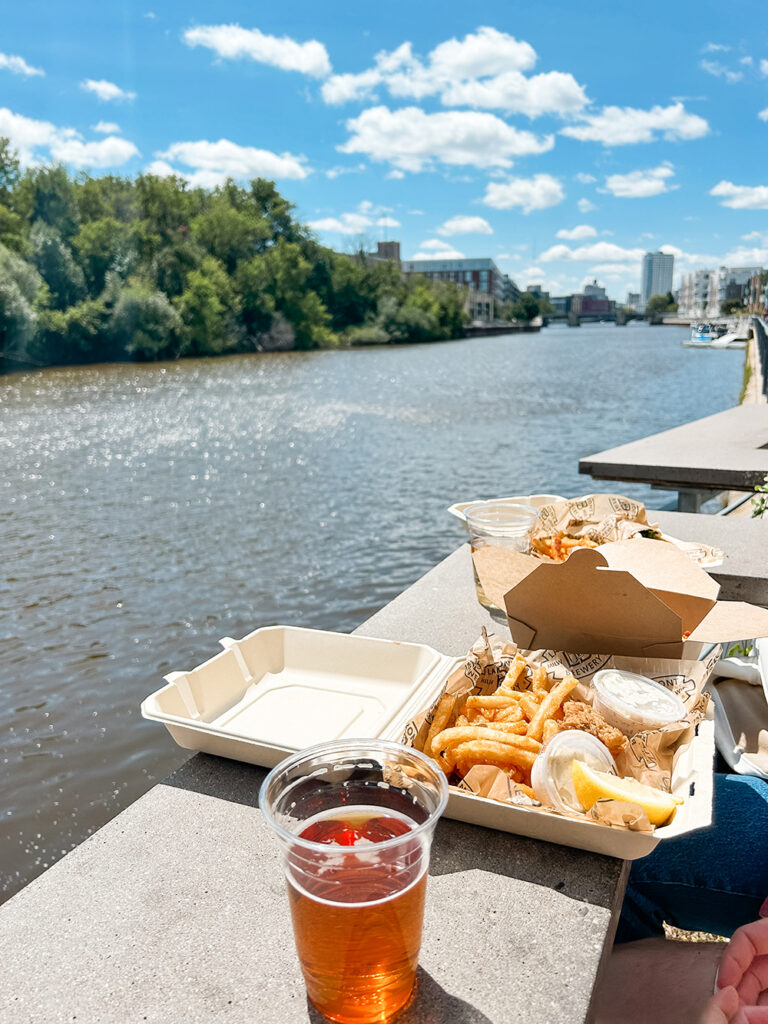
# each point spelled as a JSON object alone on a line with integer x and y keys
{"x": 488, "y": 287}
{"x": 594, "y": 291}
{"x": 656, "y": 275}
{"x": 633, "y": 300}
{"x": 588, "y": 305}
{"x": 757, "y": 296}
{"x": 561, "y": 304}
{"x": 385, "y": 252}
{"x": 694, "y": 293}
{"x": 537, "y": 291}
{"x": 724, "y": 278}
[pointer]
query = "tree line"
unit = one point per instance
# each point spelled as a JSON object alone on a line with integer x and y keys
{"x": 114, "y": 268}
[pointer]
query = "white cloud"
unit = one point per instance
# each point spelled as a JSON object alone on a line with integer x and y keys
{"x": 764, "y": 66}
{"x": 396, "y": 175}
{"x": 552, "y": 92}
{"x": 531, "y": 275}
{"x": 756, "y": 236}
{"x": 714, "y": 67}
{"x": 416, "y": 213}
{"x": 413, "y": 140}
{"x": 741, "y": 197}
{"x": 742, "y": 256}
{"x": 603, "y": 252}
{"x": 486, "y": 52}
{"x": 437, "y": 250}
{"x": 640, "y": 184}
{"x": 485, "y": 69}
{"x": 585, "y": 205}
{"x": 747, "y": 61}
{"x": 763, "y": 114}
{"x": 26, "y": 134}
{"x": 18, "y": 66}
{"x": 536, "y": 193}
{"x": 335, "y": 172}
{"x": 106, "y": 128}
{"x": 460, "y": 225}
{"x": 367, "y": 215}
{"x": 346, "y": 224}
{"x": 233, "y": 41}
{"x": 36, "y": 141}
{"x": 715, "y": 48}
{"x": 585, "y": 179}
{"x": 213, "y": 162}
{"x": 106, "y": 91}
{"x": 624, "y": 126}
{"x": 162, "y": 169}
{"x": 109, "y": 152}
{"x": 577, "y": 233}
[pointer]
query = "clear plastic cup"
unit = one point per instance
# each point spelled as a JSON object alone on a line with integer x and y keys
{"x": 501, "y": 523}
{"x": 357, "y": 896}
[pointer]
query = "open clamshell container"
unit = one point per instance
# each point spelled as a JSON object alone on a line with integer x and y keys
{"x": 283, "y": 688}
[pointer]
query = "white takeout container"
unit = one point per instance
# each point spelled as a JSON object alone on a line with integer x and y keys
{"x": 282, "y": 688}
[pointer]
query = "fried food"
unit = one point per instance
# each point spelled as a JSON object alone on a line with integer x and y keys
{"x": 559, "y": 546}
{"x": 578, "y": 715}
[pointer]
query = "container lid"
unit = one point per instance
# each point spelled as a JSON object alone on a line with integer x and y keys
{"x": 552, "y": 777}
{"x": 502, "y": 517}
{"x": 641, "y": 699}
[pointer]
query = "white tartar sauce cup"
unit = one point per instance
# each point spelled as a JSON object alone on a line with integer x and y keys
{"x": 632, "y": 702}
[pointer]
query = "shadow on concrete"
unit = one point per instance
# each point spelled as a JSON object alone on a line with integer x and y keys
{"x": 430, "y": 1004}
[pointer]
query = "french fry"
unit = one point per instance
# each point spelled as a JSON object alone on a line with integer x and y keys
{"x": 514, "y": 728}
{"x": 466, "y": 734}
{"x": 494, "y": 701}
{"x": 551, "y": 702}
{"x": 526, "y": 789}
{"x": 514, "y": 713}
{"x": 539, "y": 683}
{"x": 499, "y": 755}
{"x": 550, "y": 728}
{"x": 530, "y": 706}
{"x": 516, "y": 669}
{"x": 439, "y": 722}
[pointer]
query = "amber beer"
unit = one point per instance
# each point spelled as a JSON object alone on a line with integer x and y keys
{"x": 358, "y": 927}
{"x": 355, "y": 819}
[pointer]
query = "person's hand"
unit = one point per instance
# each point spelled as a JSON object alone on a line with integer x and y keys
{"x": 745, "y": 965}
{"x": 742, "y": 980}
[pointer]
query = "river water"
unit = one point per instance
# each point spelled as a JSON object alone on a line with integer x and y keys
{"x": 146, "y": 511}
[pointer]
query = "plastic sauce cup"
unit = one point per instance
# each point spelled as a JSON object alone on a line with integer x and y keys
{"x": 552, "y": 773}
{"x": 500, "y": 523}
{"x": 632, "y": 702}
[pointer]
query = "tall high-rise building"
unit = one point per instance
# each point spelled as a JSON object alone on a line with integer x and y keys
{"x": 656, "y": 275}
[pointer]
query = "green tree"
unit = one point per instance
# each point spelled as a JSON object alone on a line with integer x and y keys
{"x": 526, "y": 307}
{"x": 102, "y": 245}
{"x": 143, "y": 325}
{"x": 74, "y": 335}
{"x": 207, "y": 310}
{"x": 661, "y": 304}
{"x": 730, "y": 306}
{"x": 56, "y": 265}
{"x": 230, "y": 233}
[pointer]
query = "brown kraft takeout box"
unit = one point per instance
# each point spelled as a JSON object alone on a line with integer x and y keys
{"x": 638, "y": 598}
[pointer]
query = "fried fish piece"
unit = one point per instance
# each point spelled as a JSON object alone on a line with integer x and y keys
{"x": 578, "y": 715}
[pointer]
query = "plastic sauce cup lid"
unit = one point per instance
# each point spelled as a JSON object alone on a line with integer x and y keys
{"x": 638, "y": 698}
{"x": 552, "y": 773}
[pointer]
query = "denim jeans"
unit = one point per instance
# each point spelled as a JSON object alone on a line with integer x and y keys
{"x": 711, "y": 880}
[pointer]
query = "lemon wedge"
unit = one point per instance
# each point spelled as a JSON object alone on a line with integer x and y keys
{"x": 591, "y": 785}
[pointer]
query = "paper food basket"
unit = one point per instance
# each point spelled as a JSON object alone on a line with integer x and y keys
{"x": 282, "y": 688}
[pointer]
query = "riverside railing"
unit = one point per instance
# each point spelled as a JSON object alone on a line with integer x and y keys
{"x": 761, "y": 337}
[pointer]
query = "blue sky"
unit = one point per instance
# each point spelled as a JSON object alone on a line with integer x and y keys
{"x": 560, "y": 139}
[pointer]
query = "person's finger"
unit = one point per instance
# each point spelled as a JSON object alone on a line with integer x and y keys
{"x": 754, "y": 982}
{"x": 721, "y": 1007}
{"x": 748, "y": 942}
{"x": 751, "y": 1015}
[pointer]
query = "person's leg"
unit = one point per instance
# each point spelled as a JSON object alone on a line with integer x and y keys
{"x": 712, "y": 880}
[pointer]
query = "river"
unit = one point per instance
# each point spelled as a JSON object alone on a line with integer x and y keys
{"x": 148, "y": 510}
